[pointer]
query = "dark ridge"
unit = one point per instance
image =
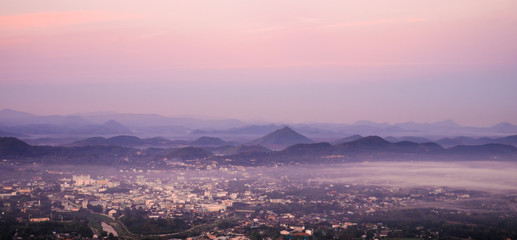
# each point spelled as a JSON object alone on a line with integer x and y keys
{"x": 189, "y": 153}
{"x": 375, "y": 144}
{"x": 512, "y": 140}
{"x": 371, "y": 147}
{"x": 406, "y": 144}
{"x": 415, "y": 139}
{"x": 486, "y": 149}
{"x": 370, "y": 143}
{"x": 10, "y": 146}
{"x": 93, "y": 141}
{"x": 348, "y": 139}
{"x": 126, "y": 140}
{"x": 309, "y": 149}
{"x": 450, "y": 142}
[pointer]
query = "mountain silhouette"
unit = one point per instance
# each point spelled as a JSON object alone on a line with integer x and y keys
{"x": 112, "y": 127}
{"x": 208, "y": 142}
{"x": 281, "y": 138}
{"x": 505, "y": 127}
{"x": 348, "y": 139}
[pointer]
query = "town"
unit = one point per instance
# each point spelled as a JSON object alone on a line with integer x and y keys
{"x": 238, "y": 203}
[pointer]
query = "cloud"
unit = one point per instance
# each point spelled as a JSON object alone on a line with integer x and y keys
{"x": 58, "y": 19}
{"x": 372, "y": 22}
{"x": 305, "y": 23}
{"x": 415, "y": 19}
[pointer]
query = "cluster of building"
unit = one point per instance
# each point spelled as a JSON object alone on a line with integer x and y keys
{"x": 293, "y": 205}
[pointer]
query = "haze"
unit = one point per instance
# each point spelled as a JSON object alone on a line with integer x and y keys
{"x": 298, "y": 61}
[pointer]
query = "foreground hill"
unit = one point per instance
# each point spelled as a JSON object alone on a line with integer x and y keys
{"x": 15, "y": 149}
{"x": 377, "y": 148}
{"x": 10, "y": 146}
{"x": 367, "y": 148}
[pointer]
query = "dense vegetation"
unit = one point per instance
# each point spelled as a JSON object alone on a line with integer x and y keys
{"x": 137, "y": 222}
{"x": 10, "y": 227}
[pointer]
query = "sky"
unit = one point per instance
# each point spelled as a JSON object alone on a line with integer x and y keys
{"x": 283, "y": 61}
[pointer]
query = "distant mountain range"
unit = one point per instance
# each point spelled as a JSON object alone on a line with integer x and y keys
{"x": 20, "y": 124}
{"x": 104, "y": 124}
{"x": 132, "y": 141}
{"x": 108, "y": 124}
{"x": 109, "y": 128}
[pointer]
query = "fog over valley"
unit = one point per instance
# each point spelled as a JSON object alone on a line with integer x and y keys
{"x": 484, "y": 176}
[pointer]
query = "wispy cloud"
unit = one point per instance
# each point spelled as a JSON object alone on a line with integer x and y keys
{"x": 372, "y": 22}
{"x": 58, "y": 19}
{"x": 415, "y": 19}
{"x": 304, "y": 23}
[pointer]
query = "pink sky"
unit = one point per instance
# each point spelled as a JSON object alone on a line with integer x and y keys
{"x": 461, "y": 55}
